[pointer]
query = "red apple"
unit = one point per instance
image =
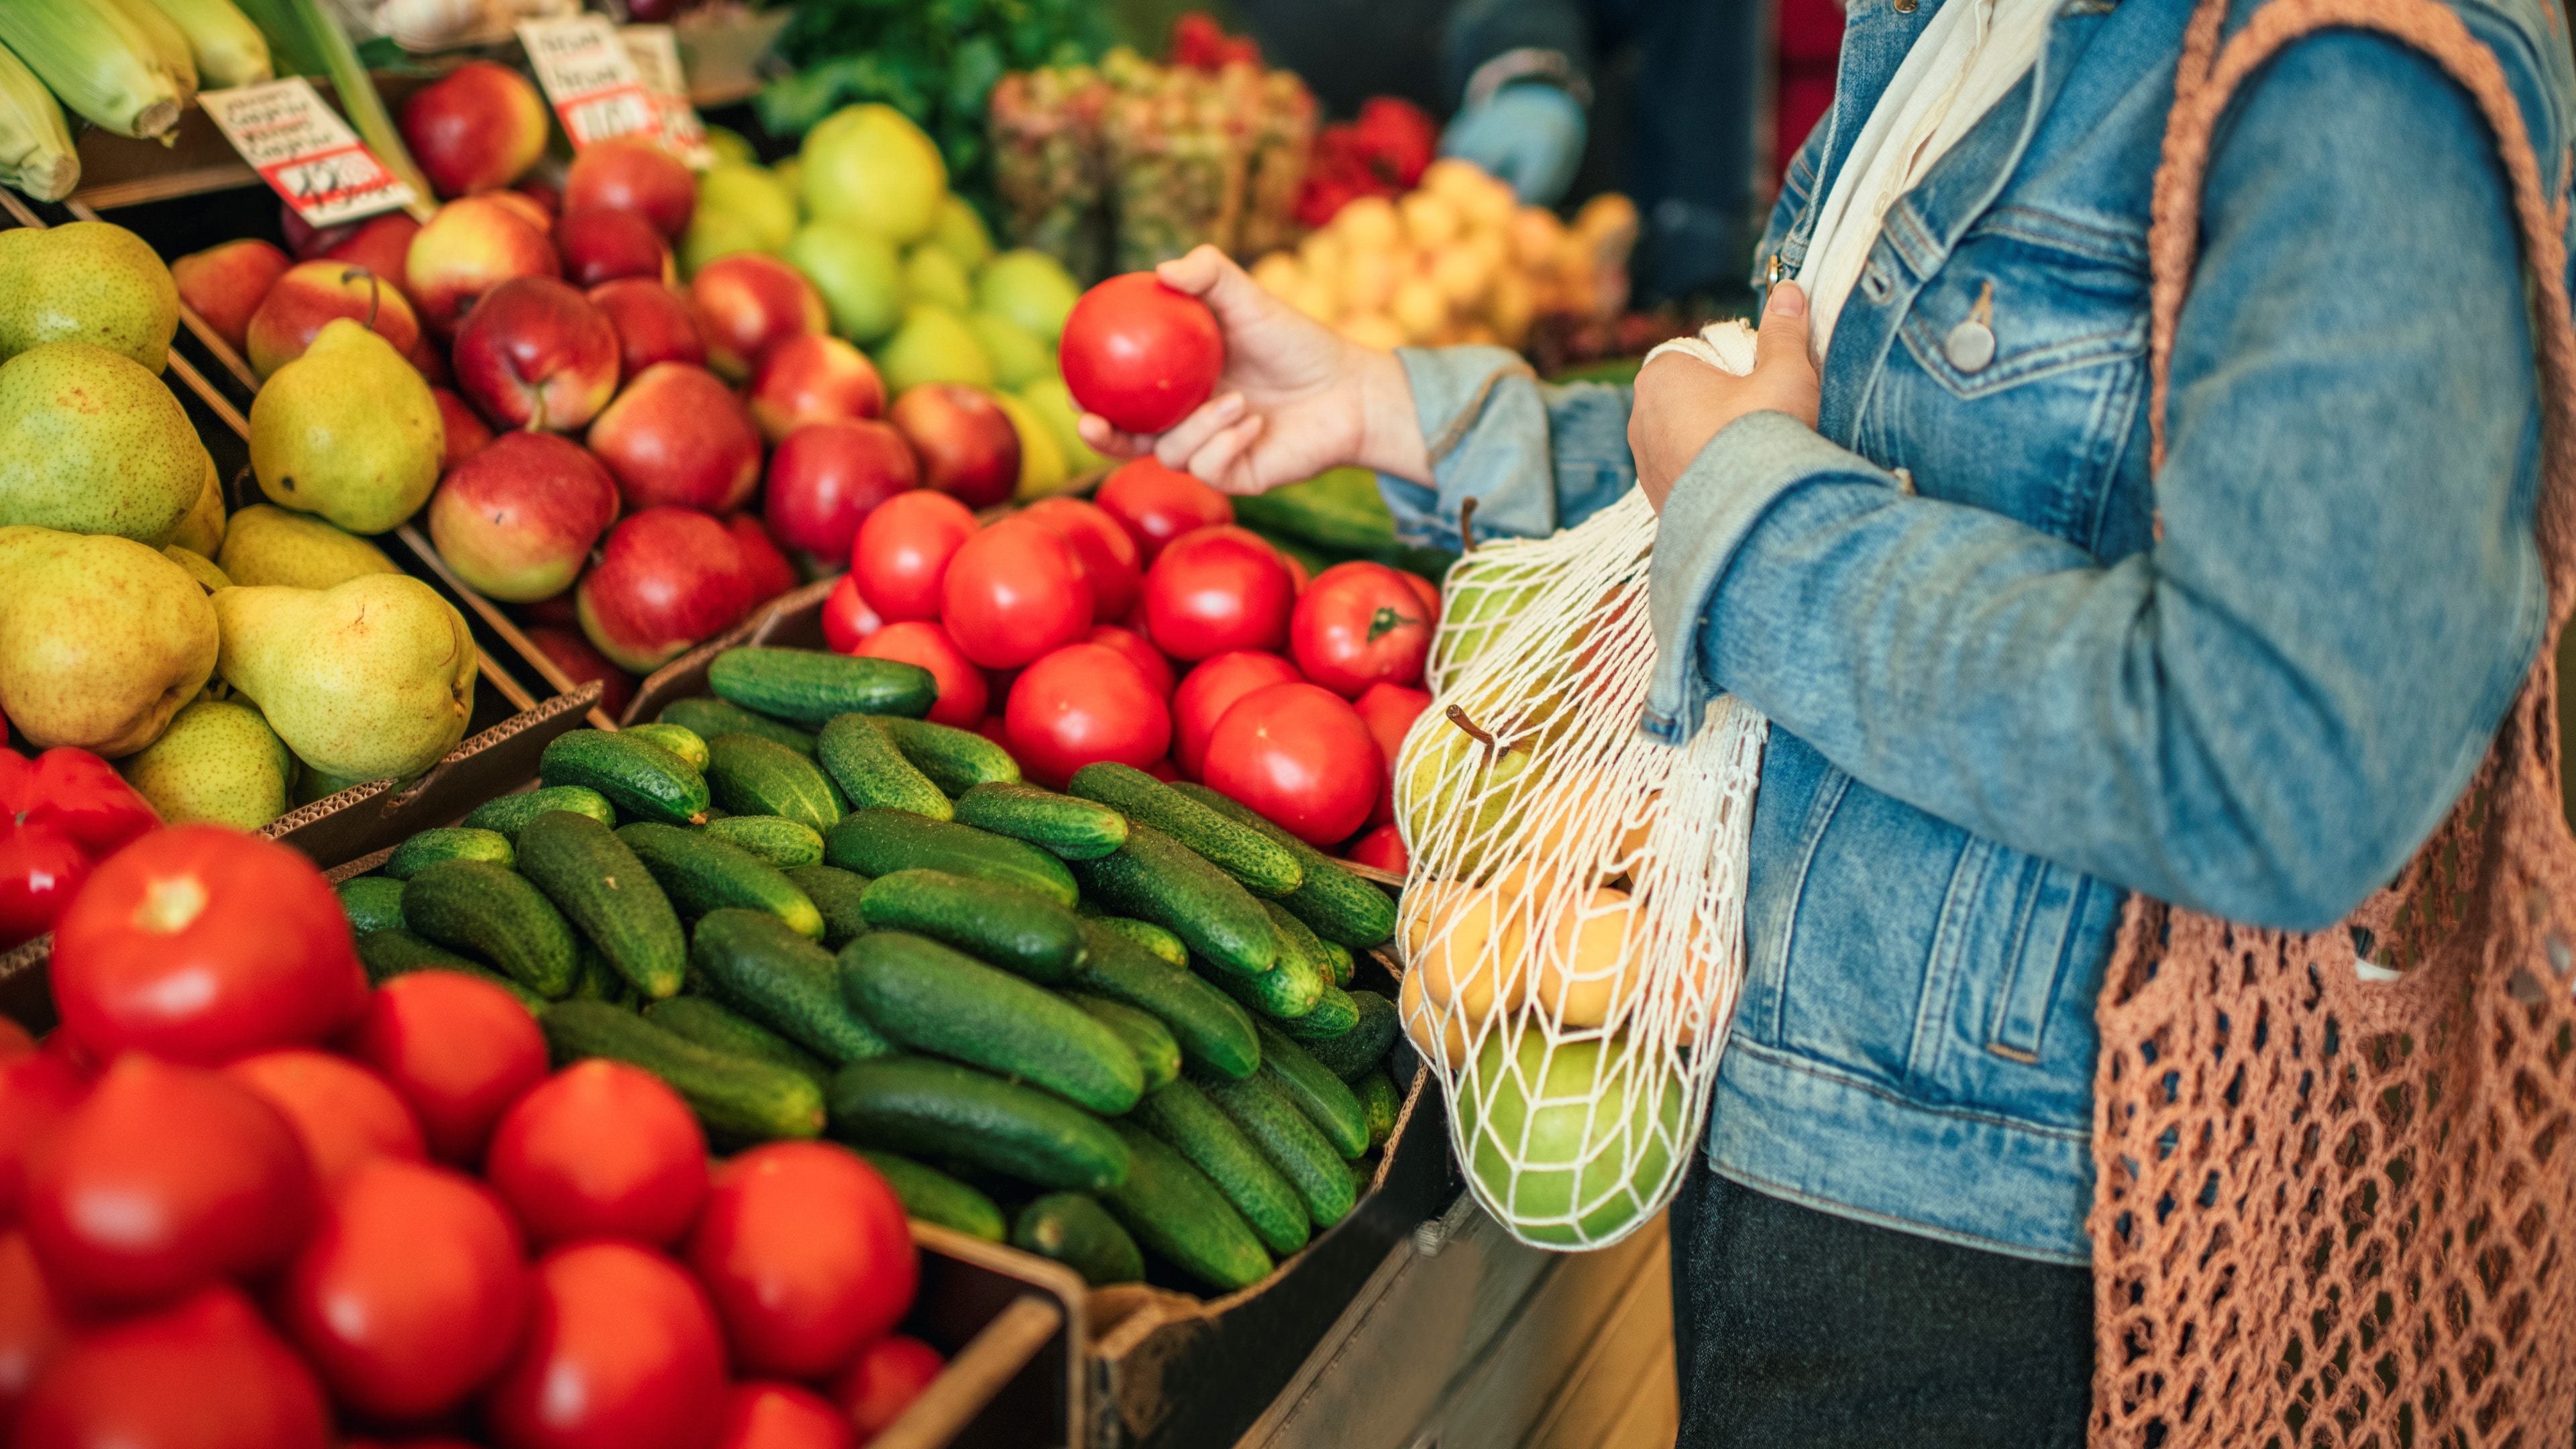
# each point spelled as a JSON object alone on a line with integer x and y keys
{"x": 667, "y": 579}
{"x": 479, "y": 129}
{"x": 652, "y": 321}
{"x": 749, "y": 302}
{"x": 633, "y": 175}
{"x": 517, "y": 519}
{"x": 430, "y": 360}
{"x": 534, "y": 353}
{"x": 813, "y": 378}
{"x": 677, "y": 437}
{"x": 304, "y": 241}
{"x": 763, "y": 566}
{"x": 312, "y": 294}
{"x": 381, "y": 244}
{"x": 600, "y": 246}
{"x": 526, "y": 208}
{"x": 543, "y": 197}
{"x": 466, "y": 249}
{"x": 827, "y": 477}
{"x": 581, "y": 662}
{"x": 467, "y": 434}
{"x": 225, "y": 284}
{"x": 967, "y": 445}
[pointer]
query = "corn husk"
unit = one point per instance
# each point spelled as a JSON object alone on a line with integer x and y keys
{"x": 168, "y": 41}
{"x": 228, "y": 49}
{"x": 36, "y": 151}
{"x": 99, "y": 61}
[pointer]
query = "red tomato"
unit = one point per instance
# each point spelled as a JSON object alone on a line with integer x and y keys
{"x": 1156, "y": 504}
{"x": 1162, "y": 770}
{"x": 993, "y": 728}
{"x": 82, "y": 796}
{"x": 884, "y": 1380}
{"x": 1139, "y": 353}
{"x": 782, "y": 1416}
{"x": 600, "y": 1150}
{"x": 15, "y": 792}
{"x": 806, "y": 1253}
{"x": 962, "y": 693}
{"x": 1133, "y": 648}
{"x": 1382, "y": 848}
{"x": 620, "y": 1352}
{"x": 167, "y": 1178}
{"x": 342, "y": 1113}
{"x": 459, "y": 1050}
{"x": 1082, "y": 703}
{"x": 41, "y": 869}
{"x": 35, "y": 1323}
{"x": 202, "y": 1373}
{"x": 1014, "y": 592}
{"x": 1361, "y": 624}
{"x": 37, "y": 1091}
{"x": 1300, "y": 755}
{"x": 1211, "y": 689}
{"x": 1110, "y": 562}
{"x": 1218, "y": 589}
{"x": 204, "y": 944}
{"x": 847, "y": 619}
{"x": 1425, "y": 590}
{"x": 1389, "y": 710}
{"x": 1297, "y": 574}
{"x": 902, "y": 548}
{"x": 14, "y": 1040}
{"x": 408, "y": 1296}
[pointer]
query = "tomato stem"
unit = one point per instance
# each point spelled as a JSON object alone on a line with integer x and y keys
{"x": 1385, "y": 621}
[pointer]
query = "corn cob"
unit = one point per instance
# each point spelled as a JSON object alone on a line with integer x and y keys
{"x": 99, "y": 61}
{"x": 228, "y": 49}
{"x": 36, "y": 154}
{"x": 168, "y": 41}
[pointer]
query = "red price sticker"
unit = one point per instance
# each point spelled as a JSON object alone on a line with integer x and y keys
{"x": 587, "y": 75}
{"x": 305, "y": 152}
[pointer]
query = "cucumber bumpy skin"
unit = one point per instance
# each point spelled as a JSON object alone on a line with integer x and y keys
{"x": 1156, "y": 878}
{"x": 596, "y": 881}
{"x": 872, "y": 773}
{"x": 510, "y": 814}
{"x": 707, "y": 718}
{"x": 955, "y": 760}
{"x": 810, "y": 686}
{"x": 748, "y": 775}
{"x": 495, "y": 913}
{"x": 1264, "y": 866}
{"x": 1070, "y": 828}
{"x": 934, "y": 1108}
{"x": 639, "y": 777}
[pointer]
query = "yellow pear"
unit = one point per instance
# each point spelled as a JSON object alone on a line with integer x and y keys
{"x": 199, "y": 567}
{"x": 102, "y": 639}
{"x": 92, "y": 443}
{"x": 202, "y": 531}
{"x": 86, "y": 281}
{"x": 367, "y": 679}
{"x": 349, "y": 431}
{"x": 270, "y": 546}
{"x": 218, "y": 762}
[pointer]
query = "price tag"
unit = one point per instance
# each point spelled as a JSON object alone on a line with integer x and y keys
{"x": 587, "y": 74}
{"x": 302, "y": 148}
{"x": 654, "y": 50}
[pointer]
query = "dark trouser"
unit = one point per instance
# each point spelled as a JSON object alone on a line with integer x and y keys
{"x": 1793, "y": 1327}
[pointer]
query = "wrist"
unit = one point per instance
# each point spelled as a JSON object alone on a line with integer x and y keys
{"x": 1390, "y": 435}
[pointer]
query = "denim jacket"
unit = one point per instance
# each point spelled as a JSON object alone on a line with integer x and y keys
{"x": 1999, "y": 699}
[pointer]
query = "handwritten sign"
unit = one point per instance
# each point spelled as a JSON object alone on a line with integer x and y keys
{"x": 303, "y": 150}
{"x": 654, "y": 50}
{"x": 588, "y": 76}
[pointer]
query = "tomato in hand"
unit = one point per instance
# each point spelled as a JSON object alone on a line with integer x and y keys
{"x": 1360, "y": 624}
{"x": 1302, "y": 757}
{"x": 1081, "y": 704}
{"x": 1134, "y": 648}
{"x": 201, "y": 1373}
{"x": 807, "y": 1255}
{"x": 460, "y": 1051}
{"x": 902, "y": 549}
{"x": 342, "y": 1113}
{"x": 166, "y": 1178}
{"x": 847, "y": 619}
{"x": 408, "y": 1295}
{"x": 600, "y": 1150}
{"x": 1218, "y": 589}
{"x": 1211, "y": 689}
{"x": 1382, "y": 849}
{"x": 1140, "y": 353}
{"x": 1389, "y": 710}
{"x": 1156, "y": 504}
{"x": 82, "y": 796}
{"x": 883, "y": 1381}
{"x": 962, "y": 690}
{"x": 1110, "y": 562}
{"x": 620, "y": 1352}
{"x": 1014, "y": 592}
{"x": 203, "y": 944}
{"x": 782, "y": 1416}
{"x": 37, "y": 1091}
{"x": 41, "y": 869}
{"x": 35, "y": 1322}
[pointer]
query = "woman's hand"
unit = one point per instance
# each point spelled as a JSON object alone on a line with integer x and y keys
{"x": 1295, "y": 398}
{"x": 1682, "y": 402}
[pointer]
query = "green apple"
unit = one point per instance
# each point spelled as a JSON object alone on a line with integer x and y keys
{"x": 858, "y": 273}
{"x": 932, "y": 345}
{"x": 871, "y": 164}
{"x": 1018, "y": 358}
{"x": 1546, "y": 1137}
{"x": 1029, "y": 289}
{"x": 752, "y": 196}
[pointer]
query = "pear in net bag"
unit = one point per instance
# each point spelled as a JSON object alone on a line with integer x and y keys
{"x": 1572, "y": 920}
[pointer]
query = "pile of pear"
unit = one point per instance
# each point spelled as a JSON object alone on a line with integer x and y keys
{"x": 232, "y": 666}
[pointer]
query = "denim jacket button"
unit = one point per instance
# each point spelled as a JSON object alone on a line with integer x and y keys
{"x": 1970, "y": 346}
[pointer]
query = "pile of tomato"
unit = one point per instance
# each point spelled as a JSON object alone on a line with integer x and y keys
{"x": 60, "y": 814}
{"x": 1144, "y": 627}
{"x": 248, "y": 1202}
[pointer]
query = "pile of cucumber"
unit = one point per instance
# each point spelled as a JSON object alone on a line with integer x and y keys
{"x": 1124, "y": 1012}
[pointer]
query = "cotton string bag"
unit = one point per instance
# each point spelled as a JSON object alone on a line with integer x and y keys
{"x": 2333, "y": 1172}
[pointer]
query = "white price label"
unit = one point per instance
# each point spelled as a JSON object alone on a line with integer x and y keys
{"x": 655, "y": 52}
{"x": 303, "y": 150}
{"x": 587, "y": 75}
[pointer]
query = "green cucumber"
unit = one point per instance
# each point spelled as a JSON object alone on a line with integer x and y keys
{"x": 495, "y": 913}
{"x": 1380, "y": 1103}
{"x": 1156, "y": 878}
{"x": 736, "y": 1097}
{"x": 1163, "y": 944}
{"x": 1289, "y": 989}
{"x": 718, "y": 1028}
{"x": 1335, "y": 1012}
{"x": 810, "y": 686}
{"x": 1214, "y": 1034}
{"x": 835, "y": 892}
{"x": 596, "y": 881}
{"x": 1346, "y": 967}
{"x": 1183, "y": 1116}
{"x": 429, "y": 847}
{"x": 708, "y": 718}
{"x": 1143, "y": 1032}
{"x": 955, "y": 760}
{"x": 1075, "y": 1230}
{"x": 784, "y": 843}
{"x": 637, "y": 776}
{"x": 680, "y": 740}
{"x": 752, "y": 776}
{"x": 1290, "y": 1142}
{"x": 701, "y": 873}
{"x": 938, "y": 1000}
{"x": 372, "y": 903}
{"x": 935, "y": 1197}
{"x": 1355, "y": 1051}
{"x": 1323, "y": 1097}
{"x": 759, "y": 967}
{"x": 881, "y": 842}
{"x": 599, "y": 981}
{"x": 1014, "y": 929}
{"x": 1072, "y": 829}
{"x": 510, "y": 814}
{"x": 873, "y": 773}
{"x": 1173, "y": 1209}
{"x": 1265, "y": 867}
{"x": 396, "y": 952}
{"x": 934, "y": 1108}
{"x": 1339, "y": 905}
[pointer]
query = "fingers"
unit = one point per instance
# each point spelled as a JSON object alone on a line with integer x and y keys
{"x": 1183, "y": 439}
{"x": 1193, "y": 272}
{"x": 1211, "y": 276}
{"x": 1225, "y": 461}
{"x": 1783, "y": 333}
{"x": 1108, "y": 441}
